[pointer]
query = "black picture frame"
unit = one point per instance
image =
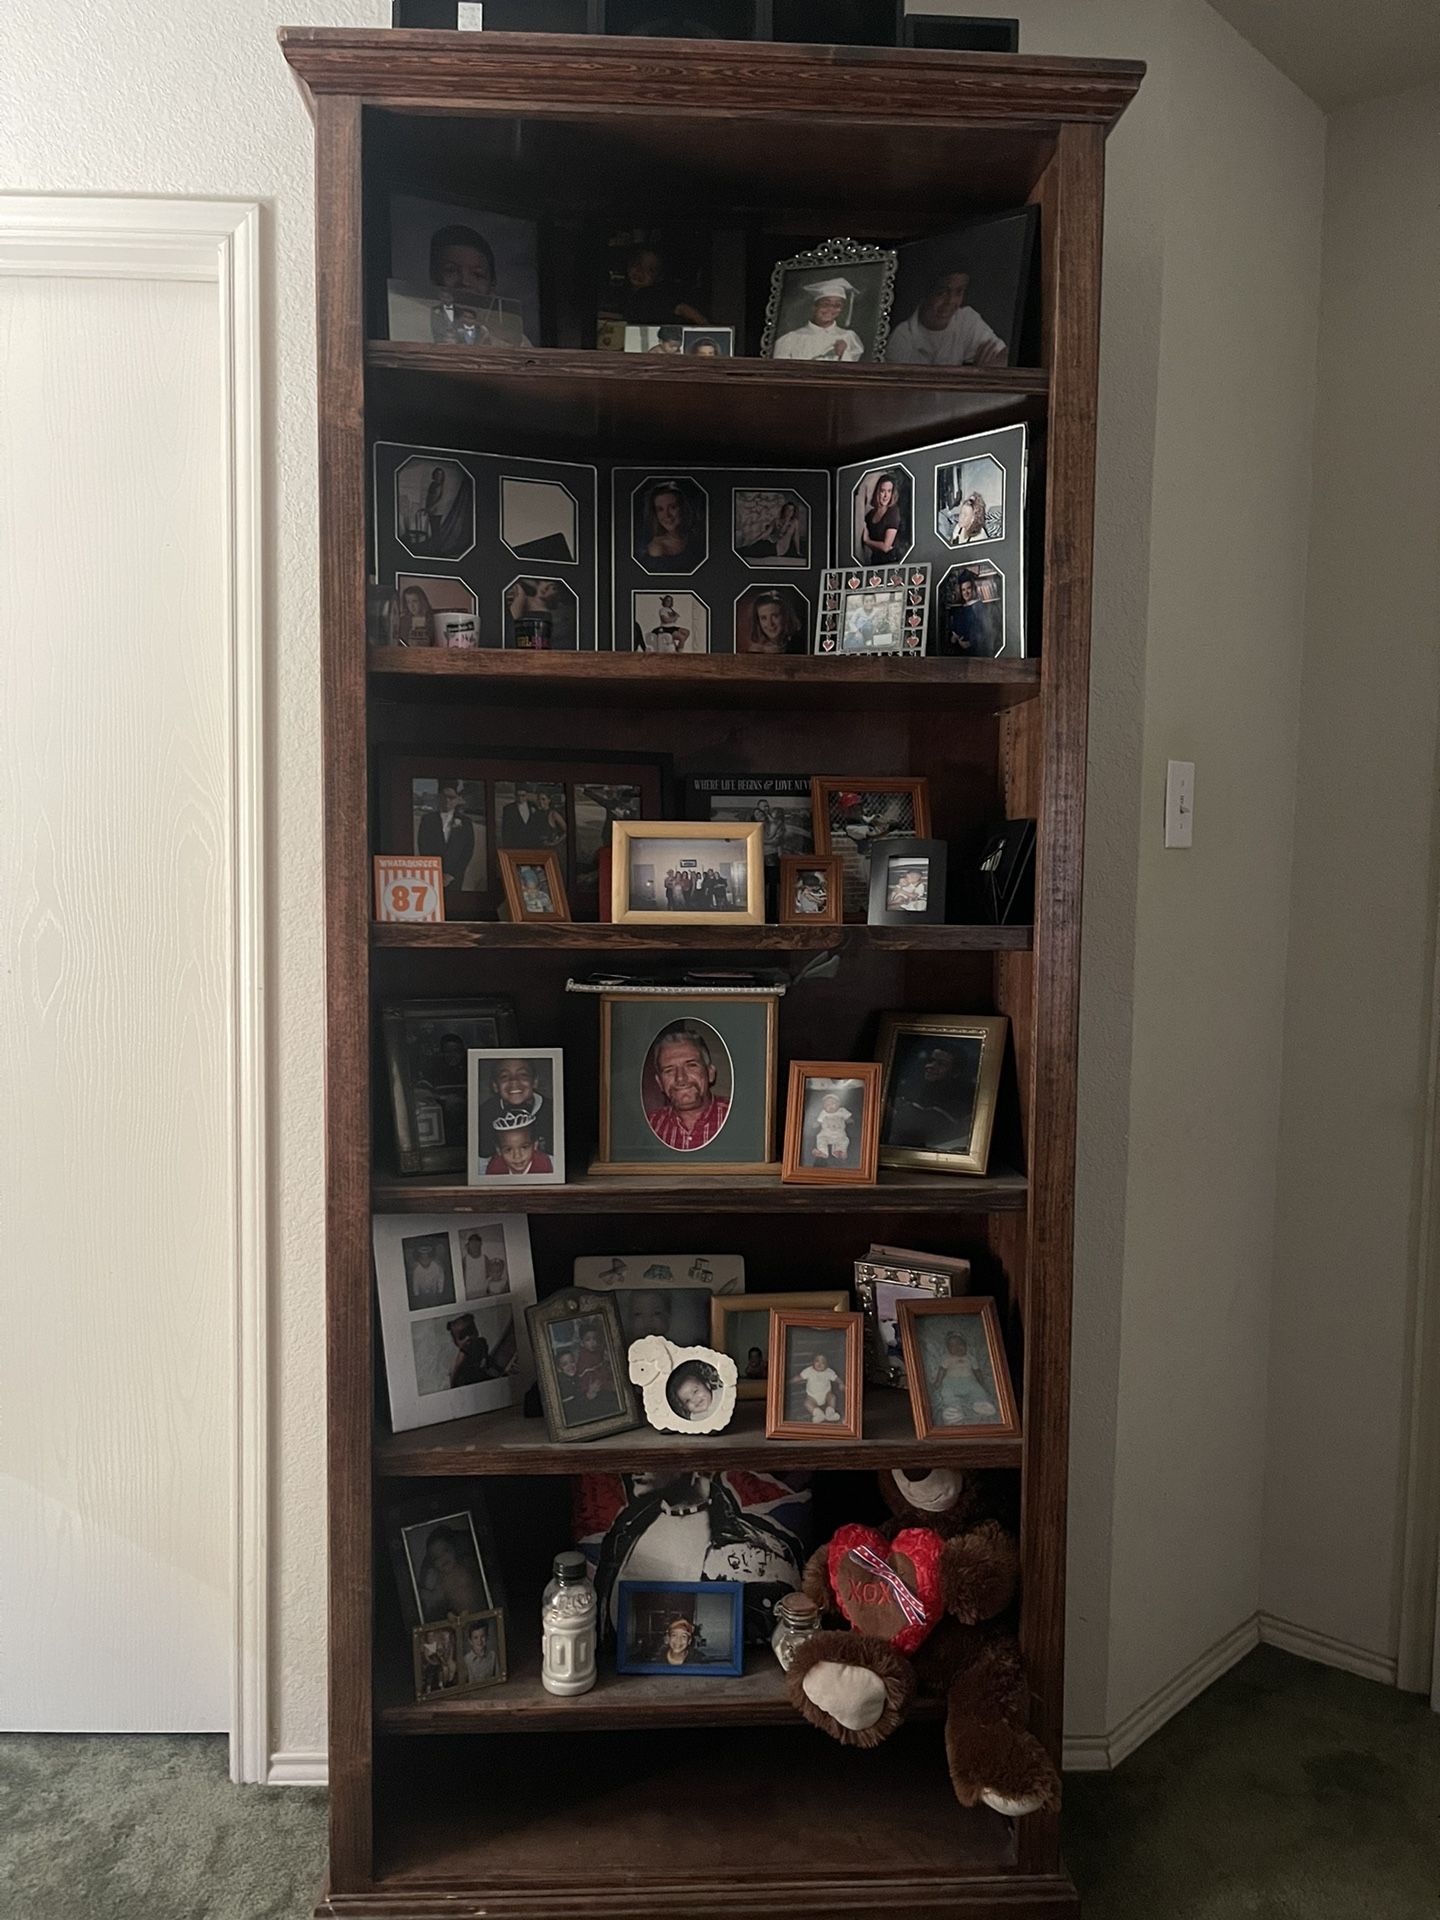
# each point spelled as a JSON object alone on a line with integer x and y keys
{"x": 413, "y": 1046}
{"x": 402, "y": 1521}
{"x": 911, "y": 851}
{"x": 996, "y": 254}
{"x": 560, "y": 1405}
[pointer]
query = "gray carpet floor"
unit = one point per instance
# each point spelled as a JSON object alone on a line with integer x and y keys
{"x": 1287, "y": 1792}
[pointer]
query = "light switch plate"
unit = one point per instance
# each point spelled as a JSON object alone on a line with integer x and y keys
{"x": 1180, "y": 803}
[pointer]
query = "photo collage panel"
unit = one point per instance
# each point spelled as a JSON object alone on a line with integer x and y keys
{"x": 487, "y": 551}
{"x": 717, "y": 559}
{"x": 958, "y": 509}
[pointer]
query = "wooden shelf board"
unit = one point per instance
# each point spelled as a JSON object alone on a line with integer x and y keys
{"x": 602, "y": 937}
{"x": 503, "y": 1444}
{"x": 569, "y": 399}
{"x": 710, "y": 680}
{"x": 756, "y": 1698}
{"x": 997, "y": 1192}
{"x": 633, "y": 1823}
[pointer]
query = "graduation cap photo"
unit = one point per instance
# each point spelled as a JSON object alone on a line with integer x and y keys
{"x": 832, "y": 304}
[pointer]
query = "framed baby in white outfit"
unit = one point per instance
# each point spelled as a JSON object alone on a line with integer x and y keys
{"x": 832, "y": 1123}
{"x": 813, "y": 1391}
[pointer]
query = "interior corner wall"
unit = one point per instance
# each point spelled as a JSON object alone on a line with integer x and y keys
{"x": 1363, "y": 902}
{"x": 1243, "y": 197}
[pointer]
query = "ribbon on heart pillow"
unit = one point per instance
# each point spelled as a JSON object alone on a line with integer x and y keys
{"x": 889, "y": 1588}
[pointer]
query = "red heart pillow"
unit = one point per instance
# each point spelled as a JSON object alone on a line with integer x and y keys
{"x": 890, "y": 1588}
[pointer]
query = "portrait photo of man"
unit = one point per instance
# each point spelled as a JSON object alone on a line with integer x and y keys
{"x": 683, "y": 1103}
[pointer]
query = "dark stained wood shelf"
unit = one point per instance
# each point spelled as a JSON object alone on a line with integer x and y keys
{"x": 502, "y": 1444}
{"x": 952, "y": 1193}
{"x": 766, "y": 409}
{"x": 637, "y": 681}
{"x": 480, "y": 936}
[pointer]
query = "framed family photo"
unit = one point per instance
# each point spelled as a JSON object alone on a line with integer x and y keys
{"x": 814, "y": 1387}
{"x": 956, "y": 1369}
{"x": 580, "y": 1363}
{"x": 811, "y": 890}
{"x": 516, "y": 1105}
{"x": 832, "y": 1123}
{"x": 681, "y": 1627}
{"x": 688, "y": 873}
{"x": 452, "y": 1289}
{"x": 740, "y": 1326}
{"x": 534, "y": 885}
{"x": 832, "y": 304}
{"x": 687, "y": 1081}
{"x": 942, "y": 1076}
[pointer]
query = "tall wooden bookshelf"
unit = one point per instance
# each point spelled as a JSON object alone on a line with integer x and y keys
{"x": 650, "y": 1798}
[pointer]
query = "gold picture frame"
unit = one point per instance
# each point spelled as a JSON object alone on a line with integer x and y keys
{"x": 729, "y": 1306}
{"x": 924, "y": 1140}
{"x": 625, "y": 833}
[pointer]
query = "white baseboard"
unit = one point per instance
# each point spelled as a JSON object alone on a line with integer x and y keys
{"x": 1098, "y": 1753}
{"x": 1327, "y": 1652}
{"x": 299, "y": 1769}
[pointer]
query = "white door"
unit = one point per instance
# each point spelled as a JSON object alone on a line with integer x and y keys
{"x": 119, "y": 1195}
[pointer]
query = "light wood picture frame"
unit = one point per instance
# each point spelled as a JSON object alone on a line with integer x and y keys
{"x": 794, "y": 869}
{"x": 946, "y": 1379}
{"x": 828, "y": 1143}
{"x": 521, "y": 890}
{"x": 728, "y": 1335}
{"x": 849, "y": 813}
{"x": 813, "y": 1402}
{"x": 664, "y": 904}
{"x": 941, "y": 1081}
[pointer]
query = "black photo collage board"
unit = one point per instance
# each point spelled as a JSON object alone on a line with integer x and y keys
{"x": 510, "y": 542}
{"x": 958, "y": 507}
{"x": 718, "y": 559}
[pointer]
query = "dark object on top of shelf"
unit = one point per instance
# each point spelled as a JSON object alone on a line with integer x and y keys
{"x": 969, "y": 33}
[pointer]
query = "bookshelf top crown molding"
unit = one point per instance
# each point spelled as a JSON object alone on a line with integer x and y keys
{"x": 551, "y": 75}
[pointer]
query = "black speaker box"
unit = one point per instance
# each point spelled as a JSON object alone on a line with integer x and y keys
{"x": 847, "y": 23}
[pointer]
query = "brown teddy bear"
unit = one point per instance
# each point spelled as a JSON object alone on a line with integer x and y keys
{"x": 922, "y": 1597}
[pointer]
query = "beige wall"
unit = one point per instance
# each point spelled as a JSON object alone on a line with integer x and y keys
{"x": 1363, "y": 912}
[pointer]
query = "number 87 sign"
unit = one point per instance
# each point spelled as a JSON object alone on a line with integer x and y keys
{"x": 408, "y": 888}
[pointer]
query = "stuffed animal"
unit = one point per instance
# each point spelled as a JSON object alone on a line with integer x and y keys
{"x": 922, "y": 1597}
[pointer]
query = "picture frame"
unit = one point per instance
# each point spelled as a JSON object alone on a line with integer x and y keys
{"x": 534, "y": 886}
{"x": 688, "y": 1390}
{"x": 652, "y": 858}
{"x": 827, "y": 1142}
{"x": 980, "y": 323}
{"x": 907, "y": 881}
{"x": 849, "y": 815}
{"x": 736, "y": 1319}
{"x": 654, "y": 1123}
{"x": 443, "y": 1554}
{"x": 487, "y": 260}
{"x": 814, "y": 1402}
{"x": 515, "y": 1136}
{"x": 780, "y": 802}
{"x": 832, "y": 304}
{"x": 812, "y": 890}
{"x": 423, "y": 1046}
{"x": 880, "y": 1284}
{"x": 714, "y": 1611}
{"x": 580, "y": 1364}
{"x": 531, "y": 802}
{"x": 451, "y": 1324}
{"x": 873, "y": 612}
{"x": 665, "y": 1294}
{"x": 941, "y": 1079}
{"x": 450, "y": 1663}
{"x": 947, "y": 1380}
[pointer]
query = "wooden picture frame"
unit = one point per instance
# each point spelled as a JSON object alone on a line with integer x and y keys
{"x": 863, "y": 816}
{"x": 728, "y": 1307}
{"x": 626, "y": 833}
{"x": 565, "y": 1406}
{"x": 840, "y": 1417}
{"x": 916, "y": 1144}
{"x": 915, "y": 1316}
{"x": 885, "y": 884}
{"x": 513, "y": 861}
{"x": 792, "y": 867}
{"x": 635, "y": 1146}
{"x": 840, "y": 1134}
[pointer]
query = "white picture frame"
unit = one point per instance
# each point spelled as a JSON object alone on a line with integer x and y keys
{"x": 464, "y": 1256}
{"x": 654, "y": 1362}
{"x": 486, "y": 1110}
{"x": 666, "y": 1294}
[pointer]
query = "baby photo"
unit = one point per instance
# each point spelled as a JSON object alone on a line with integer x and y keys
{"x": 833, "y": 1122}
{"x": 959, "y": 1379}
{"x": 815, "y": 1376}
{"x": 693, "y": 1390}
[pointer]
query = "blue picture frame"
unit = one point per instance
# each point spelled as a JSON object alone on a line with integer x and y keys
{"x": 730, "y": 1666}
